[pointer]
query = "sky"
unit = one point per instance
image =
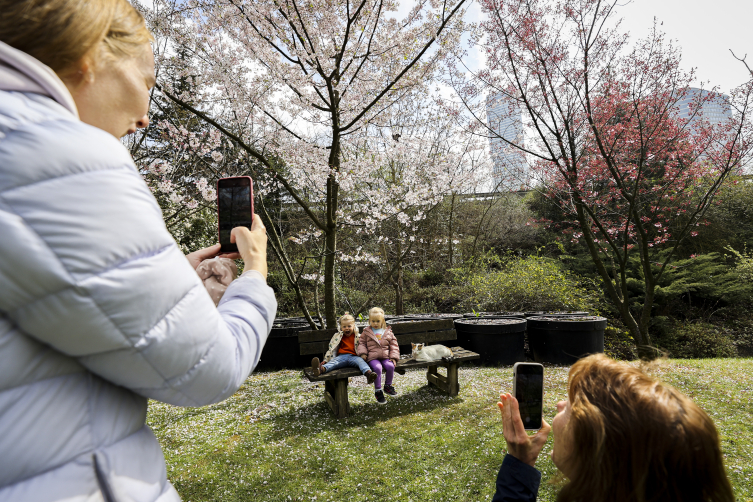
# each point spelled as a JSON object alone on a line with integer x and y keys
{"x": 705, "y": 30}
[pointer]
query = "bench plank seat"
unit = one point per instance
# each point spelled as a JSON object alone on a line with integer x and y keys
{"x": 336, "y": 381}
{"x": 461, "y": 355}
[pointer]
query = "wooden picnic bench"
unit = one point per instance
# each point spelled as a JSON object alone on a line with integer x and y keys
{"x": 316, "y": 343}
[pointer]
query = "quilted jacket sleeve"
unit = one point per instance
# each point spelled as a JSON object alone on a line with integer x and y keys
{"x": 394, "y": 347}
{"x": 89, "y": 268}
{"x": 362, "y": 348}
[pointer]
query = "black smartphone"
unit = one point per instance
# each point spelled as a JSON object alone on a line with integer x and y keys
{"x": 528, "y": 389}
{"x": 235, "y": 208}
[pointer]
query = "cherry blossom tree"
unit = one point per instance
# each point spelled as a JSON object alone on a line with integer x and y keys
{"x": 603, "y": 132}
{"x": 304, "y": 94}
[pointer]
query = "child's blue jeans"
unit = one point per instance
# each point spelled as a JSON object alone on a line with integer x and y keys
{"x": 346, "y": 360}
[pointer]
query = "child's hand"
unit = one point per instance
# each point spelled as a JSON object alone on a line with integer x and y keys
{"x": 394, "y": 361}
{"x": 363, "y": 357}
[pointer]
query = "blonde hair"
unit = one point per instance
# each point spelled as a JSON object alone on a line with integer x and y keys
{"x": 61, "y": 32}
{"x": 347, "y": 317}
{"x": 377, "y": 312}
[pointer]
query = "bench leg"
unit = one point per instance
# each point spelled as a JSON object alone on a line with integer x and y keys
{"x": 453, "y": 385}
{"x": 436, "y": 379}
{"x": 449, "y": 383}
{"x": 336, "y": 395}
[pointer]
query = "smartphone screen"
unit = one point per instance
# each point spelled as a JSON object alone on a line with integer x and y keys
{"x": 235, "y": 208}
{"x": 529, "y": 391}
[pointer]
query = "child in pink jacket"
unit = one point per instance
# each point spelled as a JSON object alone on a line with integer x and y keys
{"x": 378, "y": 347}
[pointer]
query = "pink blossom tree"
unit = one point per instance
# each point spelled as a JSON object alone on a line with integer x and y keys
{"x": 306, "y": 94}
{"x": 603, "y": 132}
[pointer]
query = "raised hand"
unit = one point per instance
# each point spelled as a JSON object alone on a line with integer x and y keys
{"x": 252, "y": 245}
{"x": 519, "y": 444}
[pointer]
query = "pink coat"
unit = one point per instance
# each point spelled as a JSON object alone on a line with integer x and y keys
{"x": 369, "y": 346}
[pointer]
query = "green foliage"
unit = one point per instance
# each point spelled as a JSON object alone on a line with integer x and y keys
{"x": 708, "y": 278}
{"x": 619, "y": 344}
{"x": 744, "y": 265}
{"x": 524, "y": 283}
{"x": 433, "y": 277}
{"x": 198, "y": 231}
{"x": 729, "y": 220}
{"x": 741, "y": 331}
{"x": 691, "y": 340}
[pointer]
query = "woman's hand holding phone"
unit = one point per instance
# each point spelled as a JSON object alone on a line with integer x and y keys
{"x": 252, "y": 245}
{"x": 519, "y": 444}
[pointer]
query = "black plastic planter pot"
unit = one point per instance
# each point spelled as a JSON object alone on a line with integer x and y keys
{"x": 542, "y": 313}
{"x": 564, "y": 340}
{"x": 498, "y": 341}
{"x": 429, "y": 317}
{"x": 475, "y": 315}
{"x": 282, "y": 349}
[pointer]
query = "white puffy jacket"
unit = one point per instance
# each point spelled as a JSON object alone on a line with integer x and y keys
{"x": 99, "y": 309}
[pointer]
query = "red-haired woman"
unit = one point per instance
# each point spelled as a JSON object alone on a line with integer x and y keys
{"x": 620, "y": 436}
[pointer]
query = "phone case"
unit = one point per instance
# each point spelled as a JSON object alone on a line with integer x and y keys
{"x": 232, "y": 248}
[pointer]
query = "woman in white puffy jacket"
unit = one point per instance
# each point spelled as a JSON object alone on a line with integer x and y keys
{"x": 99, "y": 309}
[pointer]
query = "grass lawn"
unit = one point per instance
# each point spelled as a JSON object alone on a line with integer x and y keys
{"x": 276, "y": 439}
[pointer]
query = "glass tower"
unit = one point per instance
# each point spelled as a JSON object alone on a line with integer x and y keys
{"x": 505, "y": 120}
{"x": 715, "y": 108}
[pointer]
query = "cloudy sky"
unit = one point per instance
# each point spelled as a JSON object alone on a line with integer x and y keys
{"x": 705, "y": 30}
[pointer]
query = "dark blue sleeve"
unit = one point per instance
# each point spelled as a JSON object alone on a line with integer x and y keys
{"x": 516, "y": 481}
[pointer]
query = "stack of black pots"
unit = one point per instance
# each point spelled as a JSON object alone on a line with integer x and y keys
{"x": 282, "y": 350}
{"x": 498, "y": 337}
{"x": 564, "y": 337}
{"x": 545, "y": 337}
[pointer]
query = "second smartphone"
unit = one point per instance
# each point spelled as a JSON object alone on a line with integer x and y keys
{"x": 235, "y": 208}
{"x": 528, "y": 389}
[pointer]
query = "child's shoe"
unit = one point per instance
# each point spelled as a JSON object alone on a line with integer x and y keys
{"x": 379, "y": 395}
{"x": 370, "y": 376}
{"x": 390, "y": 390}
{"x": 316, "y": 367}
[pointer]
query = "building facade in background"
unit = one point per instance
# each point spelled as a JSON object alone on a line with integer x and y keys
{"x": 505, "y": 119}
{"x": 715, "y": 108}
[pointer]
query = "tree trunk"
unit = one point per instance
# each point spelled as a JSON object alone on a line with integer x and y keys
{"x": 450, "y": 232}
{"x": 330, "y": 249}
{"x": 398, "y": 281}
{"x": 622, "y": 302}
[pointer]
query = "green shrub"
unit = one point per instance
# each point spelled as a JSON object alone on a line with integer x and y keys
{"x": 619, "y": 344}
{"x": 521, "y": 284}
{"x": 742, "y": 336}
{"x": 698, "y": 340}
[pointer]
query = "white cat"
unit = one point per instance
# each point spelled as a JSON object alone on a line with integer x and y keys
{"x": 425, "y": 353}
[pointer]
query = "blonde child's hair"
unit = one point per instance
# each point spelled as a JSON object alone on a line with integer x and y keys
{"x": 379, "y": 313}
{"x": 347, "y": 317}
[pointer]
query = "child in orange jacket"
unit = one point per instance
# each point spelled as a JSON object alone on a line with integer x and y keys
{"x": 342, "y": 351}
